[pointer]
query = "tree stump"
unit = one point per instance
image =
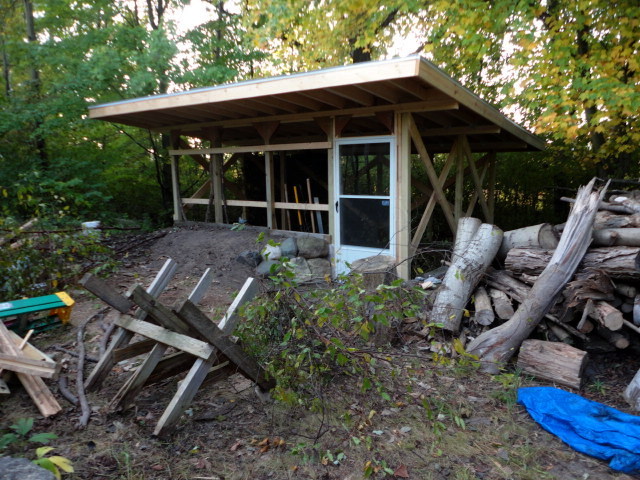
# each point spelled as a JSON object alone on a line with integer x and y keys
{"x": 377, "y": 270}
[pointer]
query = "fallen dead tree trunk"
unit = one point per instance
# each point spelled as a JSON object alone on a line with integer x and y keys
{"x": 497, "y": 345}
{"x": 468, "y": 267}
{"x": 616, "y": 262}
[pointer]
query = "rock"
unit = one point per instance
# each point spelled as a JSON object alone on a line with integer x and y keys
{"x": 320, "y": 268}
{"x": 271, "y": 252}
{"x": 22, "y": 469}
{"x": 264, "y": 269}
{"x": 289, "y": 248}
{"x": 312, "y": 247}
{"x": 250, "y": 258}
{"x": 300, "y": 268}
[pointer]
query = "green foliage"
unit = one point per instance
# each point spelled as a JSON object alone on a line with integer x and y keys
{"x": 47, "y": 261}
{"x": 19, "y": 437}
{"x": 510, "y": 383}
{"x": 306, "y": 337}
{"x": 54, "y": 463}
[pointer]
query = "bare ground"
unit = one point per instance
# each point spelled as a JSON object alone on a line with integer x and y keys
{"x": 443, "y": 422}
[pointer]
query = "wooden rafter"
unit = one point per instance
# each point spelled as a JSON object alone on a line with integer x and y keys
{"x": 385, "y": 92}
{"x": 437, "y": 104}
{"x": 464, "y": 130}
{"x": 255, "y": 148}
{"x": 331, "y": 99}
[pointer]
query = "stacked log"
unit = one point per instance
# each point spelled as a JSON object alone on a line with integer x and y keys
{"x": 582, "y": 291}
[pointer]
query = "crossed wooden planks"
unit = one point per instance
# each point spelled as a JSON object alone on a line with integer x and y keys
{"x": 29, "y": 368}
{"x": 186, "y": 329}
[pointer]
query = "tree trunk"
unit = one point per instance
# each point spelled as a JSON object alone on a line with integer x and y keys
{"x": 463, "y": 276}
{"x": 467, "y": 228}
{"x": 554, "y": 361}
{"x": 497, "y": 345}
{"x": 617, "y": 262}
{"x": 35, "y": 85}
{"x": 537, "y": 236}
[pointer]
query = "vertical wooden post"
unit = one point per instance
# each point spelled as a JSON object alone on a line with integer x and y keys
{"x": 216, "y": 179}
{"x": 214, "y": 134}
{"x": 270, "y": 186}
{"x": 283, "y": 181}
{"x": 178, "y": 213}
{"x": 491, "y": 187}
{"x": 331, "y": 193}
{"x": 402, "y": 237}
{"x": 459, "y": 193}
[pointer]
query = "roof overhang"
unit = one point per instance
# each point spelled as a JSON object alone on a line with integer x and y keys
{"x": 365, "y": 93}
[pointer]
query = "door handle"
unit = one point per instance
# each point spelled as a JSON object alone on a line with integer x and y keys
{"x": 337, "y": 203}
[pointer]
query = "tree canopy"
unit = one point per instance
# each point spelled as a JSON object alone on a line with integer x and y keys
{"x": 568, "y": 70}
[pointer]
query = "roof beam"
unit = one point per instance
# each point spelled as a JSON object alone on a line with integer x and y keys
{"x": 438, "y": 104}
{"x": 415, "y": 88}
{"x": 354, "y": 94}
{"x": 463, "y": 130}
{"x": 300, "y": 100}
{"x": 329, "y": 98}
{"x": 381, "y": 91}
{"x": 254, "y": 148}
{"x": 277, "y": 103}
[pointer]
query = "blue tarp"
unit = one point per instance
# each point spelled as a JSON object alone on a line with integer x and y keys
{"x": 589, "y": 427}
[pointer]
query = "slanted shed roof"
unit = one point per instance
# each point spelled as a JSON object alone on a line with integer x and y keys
{"x": 365, "y": 92}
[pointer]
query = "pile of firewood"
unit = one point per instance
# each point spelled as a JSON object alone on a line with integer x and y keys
{"x": 575, "y": 288}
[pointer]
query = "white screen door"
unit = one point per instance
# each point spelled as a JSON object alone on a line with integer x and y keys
{"x": 365, "y": 202}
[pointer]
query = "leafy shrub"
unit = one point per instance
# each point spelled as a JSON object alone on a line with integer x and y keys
{"x": 46, "y": 261}
{"x": 19, "y": 438}
{"x": 307, "y": 337}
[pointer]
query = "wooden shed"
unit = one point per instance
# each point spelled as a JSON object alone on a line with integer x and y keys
{"x": 351, "y": 131}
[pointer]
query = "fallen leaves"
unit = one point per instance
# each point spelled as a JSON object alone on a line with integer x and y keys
{"x": 401, "y": 471}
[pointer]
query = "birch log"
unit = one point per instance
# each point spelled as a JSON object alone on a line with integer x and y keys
{"x": 463, "y": 276}
{"x": 484, "y": 312}
{"x": 536, "y": 236}
{"x": 467, "y": 228}
{"x": 632, "y": 392}
{"x": 617, "y": 262}
{"x": 497, "y": 346}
